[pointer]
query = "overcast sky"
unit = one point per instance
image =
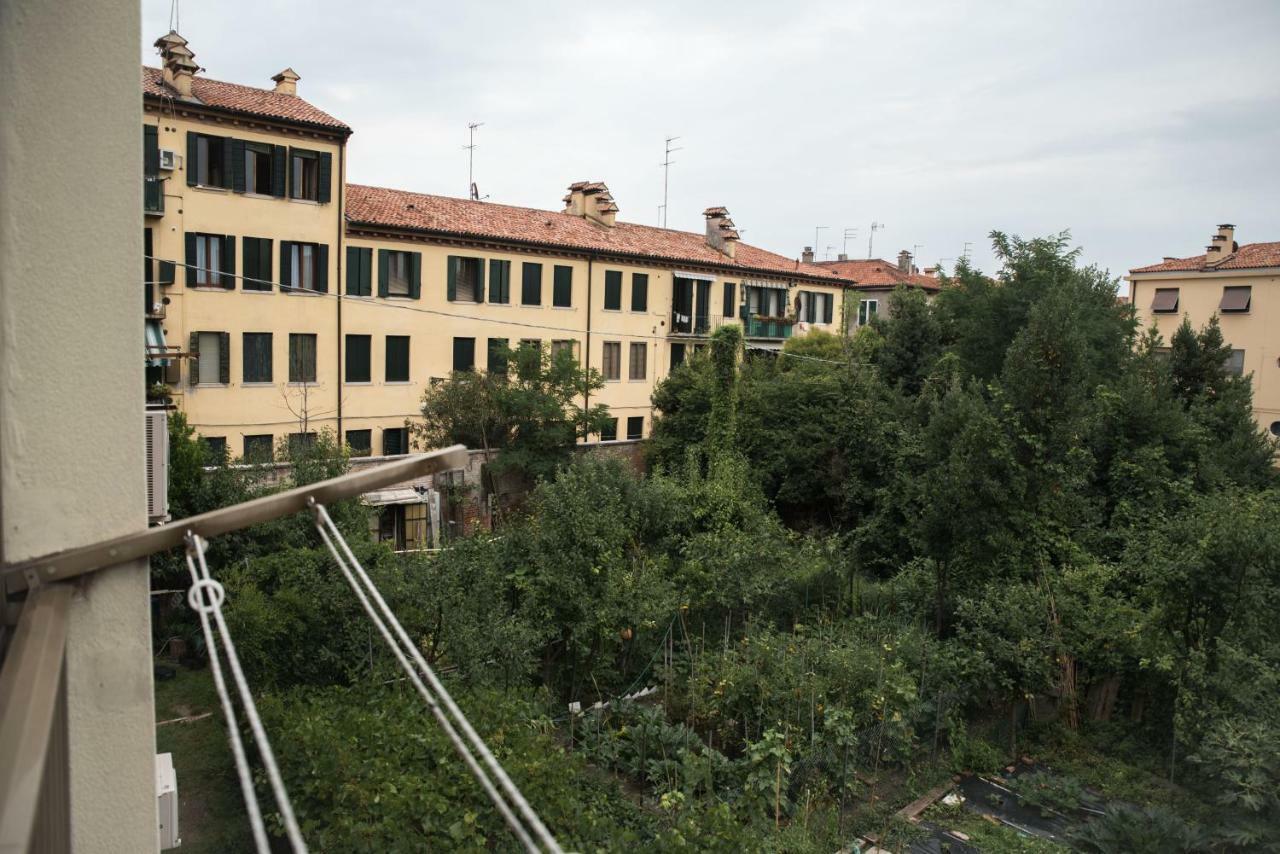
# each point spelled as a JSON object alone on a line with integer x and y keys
{"x": 1136, "y": 125}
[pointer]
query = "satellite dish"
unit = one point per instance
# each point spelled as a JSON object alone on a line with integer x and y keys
{"x": 475, "y": 192}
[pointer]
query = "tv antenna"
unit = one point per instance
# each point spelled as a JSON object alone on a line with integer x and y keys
{"x": 968, "y": 244}
{"x": 666, "y": 174}
{"x": 816, "y": 231}
{"x": 915, "y": 252}
{"x": 849, "y": 234}
{"x": 875, "y": 226}
{"x": 826, "y": 256}
{"x": 471, "y": 160}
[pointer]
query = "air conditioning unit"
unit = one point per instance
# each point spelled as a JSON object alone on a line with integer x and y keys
{"x": 157, "y": 437}
{"x": 168, "y": 159}
{"x": 167, "y": 797}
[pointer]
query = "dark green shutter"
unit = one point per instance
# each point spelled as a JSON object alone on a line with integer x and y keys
{"x": 353, "y": 271}
{"x": 322, "y": 268}
{"x": 224, "y": 357}
{"x": 728, "y": 300}
{"x": 286, "y": 258}
{"x": 252, "y": 263}
{"x": 237, "y": 164}
{"x": 563, "y": 287}
{"x": 384, "y": 272}
{"x": 479, "y": 288}
{"x": 193, "y": 358}
{"x": 193, "y": 158}
{"x": 227, "y": 161}
{"x": 279, "y": 169}
{"x": 229, "y": 262}
{"x": 828, "y": 308}
{"x": 150, "y": 150}
{"x": 531, "y": 284}
{"x": 451, "y": 287}
{"x": 191, "y": 259}
{"x": 292, "y": 191}
{"x": 326, "y": 176}
{"x": 415, "y": 275}
{"x": 366, "y": 272}
{"x": 613, "y": 290}
{"x": 264, "y": 264}
{"x": 639, "y": 291}
{"x": 168, "y": 273}
{"x": 498, "y": 280}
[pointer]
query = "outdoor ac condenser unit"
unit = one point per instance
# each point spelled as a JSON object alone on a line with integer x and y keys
{"x": 157, "y": 466}
{"x": 167, "y": 795}
{"x": 168, "y": 159}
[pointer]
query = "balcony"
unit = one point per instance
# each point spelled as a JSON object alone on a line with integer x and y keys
{"x": 153, "y": 195}
{"x": 688, "y": 324}
{"x": 762, "y": 326}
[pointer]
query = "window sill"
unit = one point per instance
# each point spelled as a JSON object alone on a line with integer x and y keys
{"x": 357, "y": 382}
{"x": 639, "y": 311}
{"x": 258, "y": 290}
{"x": 303, "y": 292}
{"x": 267, "y": 384}
{"x": 562, "y": 308}
{"x": 213, "y": 385}
{"x": 312, "y": 384}
{"x": 398, "y": 382}
{"x": 212, "y": 288}
{"x": 612, "y": 310}
{"x": 401, "y": 298}
{"x": 304, "y": 201}
{"x": 204, "y": 189}
{"x": 466, "y": 301}
{"x": 266, "y": 196}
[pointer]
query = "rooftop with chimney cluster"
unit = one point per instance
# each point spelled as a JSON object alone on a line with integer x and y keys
{"x": 1222, "y": 253}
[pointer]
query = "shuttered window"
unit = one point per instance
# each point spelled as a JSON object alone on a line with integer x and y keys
{"x": 638, "y": 364}
{"x": 867, "y": 309}
{"x": 530, "y": 283}
{"x": 639, "y": 291}
{"x": 609, "y": 433}
{"x": 730, "y": 304}
{"x": 562, "y": 287}
{"x": 360, "y": 442}
{"x": 563, "y": 346}
{"x": 677, "y": 355}
{"x": 395, "y": 441}
{"x": 499, "y": 281}
{"x": 357, "y": 358}
{"x": 399, "y": 273}
{"x": 259, "y": 447}
{"x": 259, "y": 161}
{"x": 465, "y": 279}
{"x": 258, "y": 267}
{"x": 397, "y": 358}
{"x": 1166, "y": 300}
{"x": 210, "y": 260}
{"x": 304, "y": 266}
{"x": 613, "y": 290}
{"x": 464, "y": 354}
{"x": 209, "y": 162}
{"x": 497, "y": 356}
{"x": 1235, "y": 363}
{"x": 213, "y": 364}
{"x": 302, "y": 357}
{"x": 359, "y": 271}
{"x": 1236, "y": 299}
{"x": 611, "y": 364}
{"x": 310, "y": 175}
{"x": 635, "y": 427}
{"x": 301, "y": 443}
{"x": 255, "y": 352}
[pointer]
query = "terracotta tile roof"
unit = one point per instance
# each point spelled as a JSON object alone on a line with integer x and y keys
{"x": 377, "y": 206}
{"x": 247, "y": 100}
{"x": 1247, "y": 257}
{"x": 877, "y": 273}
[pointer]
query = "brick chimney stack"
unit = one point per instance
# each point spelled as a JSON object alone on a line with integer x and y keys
{"x": 904, "y": 261}
{"x": 722, "y": 235}
{"x": 591, "y": 200}
{"x": 807, "y": 255}
{"x": 178, "y": 62}
{"x": 1221, "y": 245}
{"x": 286, "y": 82}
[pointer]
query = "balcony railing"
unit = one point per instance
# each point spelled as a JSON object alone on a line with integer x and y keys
{"x": 758, "y": 326}
{"x": 153, "y": 195}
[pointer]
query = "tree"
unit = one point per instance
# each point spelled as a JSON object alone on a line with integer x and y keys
{"x": 912, "y": 340}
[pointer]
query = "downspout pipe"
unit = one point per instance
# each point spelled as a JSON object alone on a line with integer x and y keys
{"x": 586, "y": 397}
{"x": 338, "y": 284}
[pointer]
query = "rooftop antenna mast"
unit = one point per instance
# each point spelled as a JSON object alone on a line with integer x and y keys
{"x": 816, "y": 231}
{"x": 849, "y": 234}
{"x": 826, "y": 256}
{"x": 471, "y": 160}
{"x": 915, "y": 252}
{"x": 875, "y": 226}
{"x": 968, "y": 244}
{"x": 666, "y": 174}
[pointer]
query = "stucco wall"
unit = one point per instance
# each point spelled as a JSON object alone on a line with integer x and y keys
{"x": 71, "y": 380}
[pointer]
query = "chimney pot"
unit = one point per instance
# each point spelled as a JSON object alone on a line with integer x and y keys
{"x": 591, "y": 200}
{"x": 842, "y": 257}
{"x": 904, "y": 261}
{"x": 178, "y": 62}
{"x": 286, "y": 82}
{"x": 722, "y": 234}
{"x": 807, "y": 255}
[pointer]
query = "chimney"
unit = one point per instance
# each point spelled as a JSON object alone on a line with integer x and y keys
{"x": 178, "y": 62}
{"x": 286, "y": 82}
{"x": 721, "y": 233}
{"x": 904, "y": 261}
{"x": 807, "y": 255}
{"x": 591, "y": 199}
{"x": 931, "y": 272}
{"x": 1221, "y": 245}
{"x": 842, "y": 257}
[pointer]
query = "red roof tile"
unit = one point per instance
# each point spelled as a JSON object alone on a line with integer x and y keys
{"x": 399, "y": 209}
{"x": 248, "y": 100}
{"x": 1247, "y": 257}
{"x": 875, "y": 272}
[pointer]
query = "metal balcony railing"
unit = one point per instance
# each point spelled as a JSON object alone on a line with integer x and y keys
{"x": 153, "y": 195}
{"x": 756, "y": 326}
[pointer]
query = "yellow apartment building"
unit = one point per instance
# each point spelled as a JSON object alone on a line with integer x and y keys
{"x": 283, "y": 301}
{"x": 1239, "y": 284}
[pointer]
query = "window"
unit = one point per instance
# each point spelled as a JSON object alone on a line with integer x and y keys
{"x": 730, "y": 305}
{"x": 613, "y": 290}
{"x": 304, "y": 266}
{"x": 610, "y": 431}
{"x": 302, "y": 357}
{"x": 1235, "y": 363}
{"x": 397, "y": 358}
{"x": 359, "y": 271}
{"x": 816, "y": 307}
{"x": 215, "y": 450}
{"x": 565, "y": 346}
{"x": 562, "y": 287}
{"x": 639, "y": 291}
{"x": 304, "y": 174}
{"x": 255, "y": 353}
{"x": 358, "y": 359}
{"x": 404, "y": 526}
{"x": 395, "y": 441}
{"x": 1236, "y": 299}
{"x": 258, "y": 175}
{"x": 211, "y": 363}
{"x": 208, "y": 159}
{"x": 497, "y": 356}
{"x": 534, "y": 344}
{"x": 397, "y": 274}
{"x": 499, "y": 281}
{"x": 465, "y": 279}
{"x": 867, "y": 309}
{"x": 360, "y": 442}
{"x": 1275, "y": 428}
{"x": 530, "y": 284}
{"x": 301, "y": 443}
{"x": 612, "y": 364}
{"x": 464, "y": 354}
{"x": 635, "y": 427}
{"x": 677, "y": 355}
{"x": 638, "y": 366}
{"x": 257, "y": 263}
{"x": 1165, "y": 301}
{"x": 259, "y": 448}
{"x": 211, "y": 260}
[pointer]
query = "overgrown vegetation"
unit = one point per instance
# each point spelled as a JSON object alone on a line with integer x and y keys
{"x": 1008, "y": 520}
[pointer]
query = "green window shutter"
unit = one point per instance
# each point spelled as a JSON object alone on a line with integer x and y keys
{"x": 495, "y": 281}
{"x": 193, "y": 158}
{"x": 292, "y": 191}
{"x": 613, "y": 290}
{"x": 249, "y": 246}
{"x": 286, "y": 257}
{"x": 326, "y": 176}
{"x": 451, "y": 287}
{"x": 479, "y": 280}
{"x": 384, "y": 272}
{"x": 415, "y": 275}
{"x": 828, "y": 308}
{"x": 237, "y": 164}
{"x": 150, "y": 150}
{"x": 279, "y": 169}
{"x": 191, "y": 259}
{"x": 264, "y": 264}
{"x": 366, "y": 272}
{"x": 322, "y": 268}
{"x": 229, "y": 262}
{"x": 562, "y": 294}
{"x": 168, "y": 273}
{"x": 353, "y": 271}
{"x": 193, "y": 359}
{"x": 227, "y": 164}
{"x": 531, "y": 284}
{"x": 639, "y": 291}
{"x": 224, "y": 357}
{"x": 497, "y": 363}
{"x": 728, "y": 300}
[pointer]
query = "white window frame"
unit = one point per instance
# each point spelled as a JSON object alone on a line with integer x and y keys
{"x": 210, "y": 349}
{"x": 867, "y": 309}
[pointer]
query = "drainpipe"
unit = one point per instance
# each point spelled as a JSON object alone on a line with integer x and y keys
{"x": 337, "y": 285}
{"x": 586, "y": 397}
